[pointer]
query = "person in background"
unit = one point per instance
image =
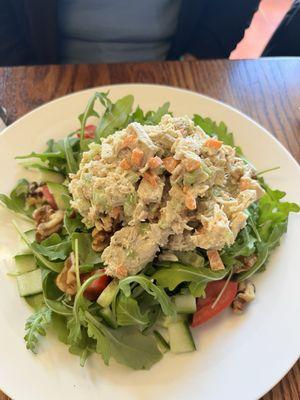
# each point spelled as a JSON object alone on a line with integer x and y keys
{"x": 95, "y": 31}
{"x": 286, "y": 39}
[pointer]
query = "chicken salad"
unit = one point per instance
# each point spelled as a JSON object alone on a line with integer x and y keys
{"x": 143, "y": 225}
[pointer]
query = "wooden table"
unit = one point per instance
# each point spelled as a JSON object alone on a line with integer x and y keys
{"x": 267, "y": 90}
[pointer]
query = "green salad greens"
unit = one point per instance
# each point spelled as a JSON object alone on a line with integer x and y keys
{"x": 138, "y": 317}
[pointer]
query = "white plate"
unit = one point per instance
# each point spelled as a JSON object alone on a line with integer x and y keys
{"x": 238, "y": 357}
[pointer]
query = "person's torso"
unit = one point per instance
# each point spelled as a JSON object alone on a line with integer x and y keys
{"x": 116, "y": 30}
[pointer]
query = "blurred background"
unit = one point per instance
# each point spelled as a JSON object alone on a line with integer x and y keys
{"x": 95, "y": 31}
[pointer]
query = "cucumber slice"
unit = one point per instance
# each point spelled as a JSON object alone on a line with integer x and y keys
{"x": 167, "y": 320}
{"x": 35, "y": 301}
{"x": 185, "y": 303}
{"x": 162, "y": 345}
{"x": 107, "y": 296}
{"x": 164, "y": 333}
{"x": 108, "y": 317}
{"x": 24, "y": 263}
{"x": 181, "y": 339}
{"x": 51, "y": 176}
{"x": 30, "y": 283}
{"x": 60, "y": 194}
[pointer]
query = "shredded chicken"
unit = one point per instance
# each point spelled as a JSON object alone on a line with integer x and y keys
{"x": 215, "y": 261}
{"x": 191, "y": 189}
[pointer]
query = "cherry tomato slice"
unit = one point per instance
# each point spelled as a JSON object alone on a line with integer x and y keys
{"x": 89, "y": 132}
{"x": 204, "y": 306}
{"x": 48, "y": 197}
{"x": 93, "y": 291}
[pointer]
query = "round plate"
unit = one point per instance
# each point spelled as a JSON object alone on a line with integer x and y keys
{"x": 237, "y": 356}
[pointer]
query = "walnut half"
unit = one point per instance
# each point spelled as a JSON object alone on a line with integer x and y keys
{"x": 101, "y": 240}
{"x": 48, "y": 221}
{"x": 66, "y": 279}
{"x": 245, "y": 294}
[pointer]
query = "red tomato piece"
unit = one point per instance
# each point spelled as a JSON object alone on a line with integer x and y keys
{"x": 89, "y": 132}
{"x": 48, "y": 197}
{"x": 204, "y": 306}
{"x": 93, "y": 291}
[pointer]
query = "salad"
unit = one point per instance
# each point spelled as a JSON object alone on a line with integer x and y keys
{"x": 144, "y": 226}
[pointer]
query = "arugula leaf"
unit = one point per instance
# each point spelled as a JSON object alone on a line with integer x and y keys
{"x": 81, "y": 304}
{"x": 59, "y": 327}
{"x": 54, "y": 248}
{"x": 138, "y": 116}
{"x": 16, "y": 201}
{"x": 60, "y": 156}
{"x": 86, "y": 254}
{"x": 72, "y": 165}
{"x": 35, "y": 327}
{"x": 211, "y": 128}
{"x": 115, "y": 117}
{"x": 154, "y": 290}
{"x": 90, "y": 112}
{"x": 83, "y": 347}
{"x": 177, "y": 273}
{"x": 128, "y": 312}
{"x": 53, "y": 266}
{"x": 272, "y": 211}
{"x": 102, "y": 346}
{"x": 53, "y": 296}
{"x": 154, "y": 117}
{"x": 42, "y": 156}
{"x": 244, "y": 245}
{"x": 197, "y": 289}
{"x": 151, "y": 117}
{"x": 72, "y": 222}
{"x": 128, "y": 345}
{"x": 38, "y": 166}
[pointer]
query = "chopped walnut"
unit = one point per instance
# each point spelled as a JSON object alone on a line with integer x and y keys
{"x": 35, "y": 194}
{"x": 245, "y": 294}
{"x": 248, "y": 263}
{"x": 48, "y": 221}
{"x": 101, "y": 240}
{"x": 66, "y": 279}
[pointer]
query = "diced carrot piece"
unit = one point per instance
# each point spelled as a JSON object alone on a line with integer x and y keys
{"x": 190, "y": 202}
{"x": 191, "y": 165}
{"x": 244, "y": 183}
{"x": 152, "y": 179}
{"x": 215, "y": 260}
{"x": 115, "y": 212}
{"x": 121, "y": 272}
{"x": 154, "y": 162}
{"x": 137, "y": 157}
{"x": 170, "y": 163}
{"x": 213, "y": 143}
{"x": 185, "y": 189}
{"x": 125, "y": 164}
{"x": 128, "y": 141}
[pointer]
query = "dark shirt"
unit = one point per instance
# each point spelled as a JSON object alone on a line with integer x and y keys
{"x": 206, "y": 28}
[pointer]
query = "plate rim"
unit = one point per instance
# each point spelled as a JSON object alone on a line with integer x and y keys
{"x": 29, "y": 114}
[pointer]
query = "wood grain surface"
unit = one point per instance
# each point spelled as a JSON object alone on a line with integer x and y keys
{"x": 268, "y": 90}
